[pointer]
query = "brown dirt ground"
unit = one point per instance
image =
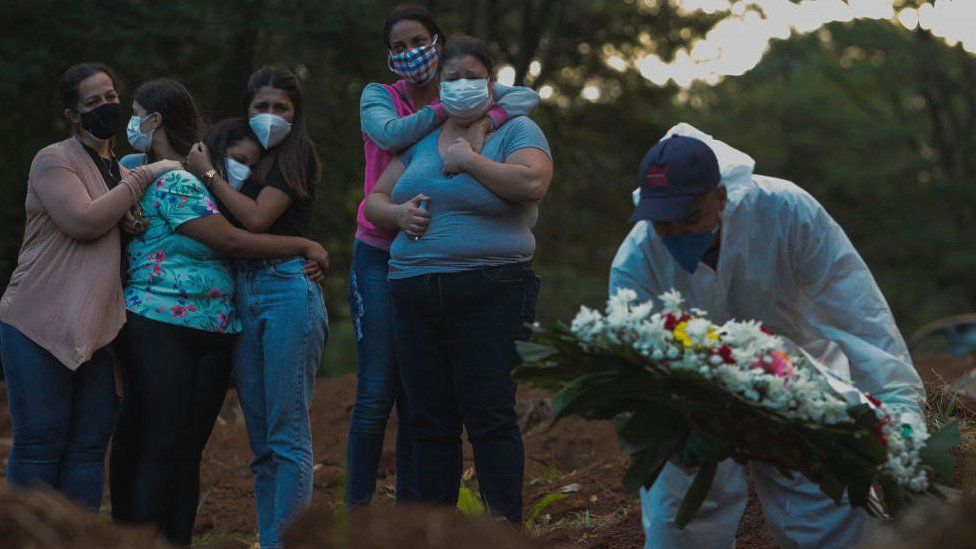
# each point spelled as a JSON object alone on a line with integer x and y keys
{"x": 596, "y": 514}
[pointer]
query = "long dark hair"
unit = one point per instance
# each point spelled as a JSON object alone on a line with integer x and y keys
{"x": 295, "y": 155}
{"x": 223, "y": 135}
{"x": 410, "y": 12}
{"x": 182, "y": 121}
{"x": 74, "y": 76}
{"x": 462, "y": 45}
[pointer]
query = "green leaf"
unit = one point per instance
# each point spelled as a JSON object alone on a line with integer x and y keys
{"x": 545, "y": 502}
{"x": 936, "y": 452}
{"x": 696, "y": 494}
{"x": 649, "y": 426}
{"x": 699, "y": 449}
{"x": 534, "y": 352}
{"x": 832, "y": 486}
{"x": 468, "y": 503}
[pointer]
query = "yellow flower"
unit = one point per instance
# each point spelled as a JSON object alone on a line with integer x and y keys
{"x": 681, "y": 336}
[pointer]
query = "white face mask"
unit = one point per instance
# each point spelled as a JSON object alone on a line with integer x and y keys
{"x": 269, "y": 128}
{"x": 466, "y": 98}
{"x": 237, "y": 173}
{"x": 139, "y": 141}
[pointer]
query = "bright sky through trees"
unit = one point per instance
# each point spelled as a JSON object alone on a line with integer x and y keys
{"x": 737, "y": 43}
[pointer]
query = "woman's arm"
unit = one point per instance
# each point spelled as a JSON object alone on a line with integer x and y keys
{"x": 257, "y": 215}
{"x": 524, "y": 177}
{"x": 380, "y": 210}
{"x": 512, "y": 101}
{"x": 215, "y": 231}
{"x": 380, "y": 121}
{"x": 66, "y": 200}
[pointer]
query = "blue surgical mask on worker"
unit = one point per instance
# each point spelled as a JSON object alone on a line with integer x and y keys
{"x": 270, "y": 129}
{"x": 466, "y": 98}
{"x": 140, "y": 141}
{"x": 688, "y": 249}
{"x": 237, "y": 173}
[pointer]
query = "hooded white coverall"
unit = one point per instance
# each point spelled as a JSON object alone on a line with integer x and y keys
{"x": 785, "y": 262}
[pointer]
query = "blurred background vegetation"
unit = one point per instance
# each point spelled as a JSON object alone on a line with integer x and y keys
{"x": 876, "y": 121}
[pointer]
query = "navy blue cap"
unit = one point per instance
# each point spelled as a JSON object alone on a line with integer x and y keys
{"x": 675, "y": 172}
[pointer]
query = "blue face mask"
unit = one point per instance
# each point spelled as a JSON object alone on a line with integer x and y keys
{"x": 237, "y": 173}
{"x": 139, "y": 141}
{"x": 688, "y": 249}
{"x": 270, "y": 129}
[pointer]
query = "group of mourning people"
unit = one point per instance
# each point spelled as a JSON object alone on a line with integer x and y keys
{"x": 147, "y": 285}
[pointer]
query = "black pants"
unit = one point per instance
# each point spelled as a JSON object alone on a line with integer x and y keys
{"x": 176, "y": 379}
{"x": 455, "y": 343}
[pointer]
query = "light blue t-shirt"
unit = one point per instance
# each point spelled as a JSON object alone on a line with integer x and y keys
{"x": 134, "y": 160}
{"x": 470, "y": 226}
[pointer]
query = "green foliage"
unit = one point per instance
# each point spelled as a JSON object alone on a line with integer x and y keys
{"x": 543, "y": 504}
{"x": 469, "y": 503}
{"x": 936, "y": 451}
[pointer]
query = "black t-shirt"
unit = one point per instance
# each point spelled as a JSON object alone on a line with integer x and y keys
{"x": 297, "y": 219}
{"x": 108, "y": 167}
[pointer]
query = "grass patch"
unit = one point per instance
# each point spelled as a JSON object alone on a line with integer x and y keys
{"x": 582, "y": 520}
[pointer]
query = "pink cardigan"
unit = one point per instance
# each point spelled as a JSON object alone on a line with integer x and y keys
{"x": 66, "y": 292}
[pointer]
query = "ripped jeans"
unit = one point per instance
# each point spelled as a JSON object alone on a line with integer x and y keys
{"x": 378, "y": 382}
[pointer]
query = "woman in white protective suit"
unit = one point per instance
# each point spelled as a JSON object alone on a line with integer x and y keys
{"x": 749, "y": 247}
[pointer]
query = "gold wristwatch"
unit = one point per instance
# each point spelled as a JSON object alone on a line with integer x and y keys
{"x": 208, "y": 176}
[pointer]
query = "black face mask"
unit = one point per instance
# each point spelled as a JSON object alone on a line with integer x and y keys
{"x": 102, "y": 121}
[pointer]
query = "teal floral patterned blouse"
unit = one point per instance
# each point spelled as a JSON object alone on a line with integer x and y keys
{"x": 174, "y": 278}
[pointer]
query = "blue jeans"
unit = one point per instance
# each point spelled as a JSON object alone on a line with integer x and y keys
{"x": 378, "y": 382}
{"x": 275, "y": 360}
{"x": 62, "y": 420}
{"x": 455, "y": 337}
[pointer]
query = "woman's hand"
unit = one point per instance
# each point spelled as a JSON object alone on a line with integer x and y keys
{"x": 318, "y": 259}
{"x": 457, "y": 155}
{"x": 313, "y": 271}
{"x": 198, "y": 161}
{"x": 133, "y": 222}
{"x": 412, "y": 218}
{"x": 477, "y": 133}
{"x": 160, "y": 167}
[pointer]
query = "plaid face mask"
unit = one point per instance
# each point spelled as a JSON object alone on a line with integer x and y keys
{"x": 418, "y": 65}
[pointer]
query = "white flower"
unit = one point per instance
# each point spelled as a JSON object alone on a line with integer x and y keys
{"x": 621, "y": 299}
{"x": 671, "y": 300}
{"x": 697, "y": 330}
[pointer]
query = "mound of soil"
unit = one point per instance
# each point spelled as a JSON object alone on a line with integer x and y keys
{"x": 44, "y": 519}
{"x": 405, "y": 526}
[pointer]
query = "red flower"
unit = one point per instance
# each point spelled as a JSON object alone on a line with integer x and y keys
{"x": 879, "y": 429}
{"x": 191, "y": 308}
{"x": 157, "y": 269}
{"x": 179, "y": 311}
{"x": 158, "y": 256}
{"x": 671, "y": 321}
{"x": 215, "y": 293}
{"x": 726, "y": 353}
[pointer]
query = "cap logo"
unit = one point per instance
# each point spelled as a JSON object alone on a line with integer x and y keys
{"x": 657, "y": 176}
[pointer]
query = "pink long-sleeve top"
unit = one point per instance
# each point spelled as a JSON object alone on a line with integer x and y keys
{"x": 391, "y": 123}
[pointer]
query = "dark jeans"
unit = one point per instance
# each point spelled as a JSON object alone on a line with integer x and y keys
{"x": 377, "y": 381}
{"x": 62, "y": 419}
{"x": 176, "y": 379}
{"x": 455, "y": 337}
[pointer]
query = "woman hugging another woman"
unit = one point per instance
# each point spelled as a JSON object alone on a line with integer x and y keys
{"x": 181, "y": 315}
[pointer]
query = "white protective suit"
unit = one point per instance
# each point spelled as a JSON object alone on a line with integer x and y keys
{"x": 785, "y": 262}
